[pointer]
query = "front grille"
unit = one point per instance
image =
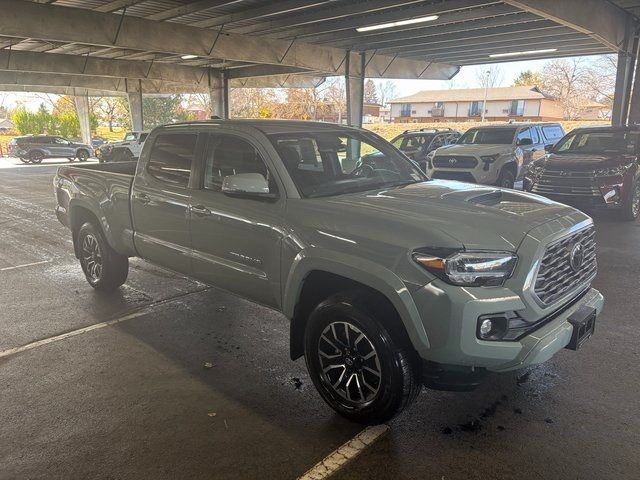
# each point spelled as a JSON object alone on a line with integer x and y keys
{"x": 566, "y": 183}
{"x": 455, "y": 161}
{"x": 459, "y": 176}
{"x": 556, "y": 275}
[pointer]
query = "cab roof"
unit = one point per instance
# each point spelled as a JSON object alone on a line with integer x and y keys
{"x": 270, "y": 126}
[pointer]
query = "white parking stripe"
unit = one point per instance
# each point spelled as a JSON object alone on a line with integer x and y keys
{"x": 25, "y": 265}
{"x": 130, "y": 316}
{"x": 345, "y": 453}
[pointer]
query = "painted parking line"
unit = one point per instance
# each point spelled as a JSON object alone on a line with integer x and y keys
{"x": 344, "y": 454}
{"x": 24, "y": 265}
{"x": 130, "y": 316}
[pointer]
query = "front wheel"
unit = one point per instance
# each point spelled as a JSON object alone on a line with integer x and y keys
{"x": 355, "y": 364}
{"x": 82, "y": 155}
{"x": 631, "y": 202}
{"x": 104, "y": 268}
{"x": 506, "y": 179}
{"x": 36, "y": 157}
{"x": 25, "y": 160}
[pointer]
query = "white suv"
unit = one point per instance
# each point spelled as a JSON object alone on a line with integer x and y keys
{"x": 493, "y": 154}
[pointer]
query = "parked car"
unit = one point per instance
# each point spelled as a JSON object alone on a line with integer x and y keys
{"x": 417, "y": 144}
{"x": 97, "y": 141}
{"x": 390, "y": 280}
{"x": 125, "y": 151}
{"x": 493, "y": 154}
{"x": 35, "y": 148}
{"x": 591, "y": 167}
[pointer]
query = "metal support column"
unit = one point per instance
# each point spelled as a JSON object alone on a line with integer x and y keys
{"x": 82, "y": 109}
{"x": 134, "y": 96}
{"x": 219, "y": 94}
{"x": 624, "y": 80}
{"x": 354, "y": 83}
{"x": 633, "y": 114}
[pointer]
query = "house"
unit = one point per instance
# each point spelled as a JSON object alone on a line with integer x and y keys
{"x": 6, "y": 125}
{"x": 595, "y": 111}
{"x": 503, "y": 103}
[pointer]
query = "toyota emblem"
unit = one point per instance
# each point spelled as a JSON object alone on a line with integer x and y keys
{"x": 453, "y": 161}
{"x": 576, "y": 257}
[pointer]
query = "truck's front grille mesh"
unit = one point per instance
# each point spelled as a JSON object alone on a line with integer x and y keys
{"x": 455, "y": 161}
{"x": 557, "y": 276}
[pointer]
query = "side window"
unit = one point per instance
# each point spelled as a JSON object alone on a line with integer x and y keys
{"x": 231, "y": 155}
{"x": 534, "y": 135}
{"x": 129, "y": 137}
{"x": 171, "y": 157}
{"x": 438, "y": 142}
{"x": 552, "y": 133}
{"x": 42, "y": 140}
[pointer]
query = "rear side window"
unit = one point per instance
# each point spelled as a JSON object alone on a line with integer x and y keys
{"x": 552, "y": 132}
{"x": 171, "y": 157}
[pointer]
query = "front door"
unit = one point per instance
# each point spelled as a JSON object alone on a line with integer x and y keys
{"x": 160, "y": 201}
{"x": 236, "y": 240}
{"x": 62, "y": 148}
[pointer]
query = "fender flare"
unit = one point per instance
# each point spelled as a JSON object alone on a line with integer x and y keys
{"x": 89, "y": 205}
{"x": 362, "y": 271}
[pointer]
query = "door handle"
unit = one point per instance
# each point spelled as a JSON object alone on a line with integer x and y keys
{"x": 143, "y": 198}
{"x": 200, "y": 210}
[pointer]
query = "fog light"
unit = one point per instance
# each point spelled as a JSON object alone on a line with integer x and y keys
{"x": 485, "y": 327}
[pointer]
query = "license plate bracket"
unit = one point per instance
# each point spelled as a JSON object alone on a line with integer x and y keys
{"x": 583, "y": 321}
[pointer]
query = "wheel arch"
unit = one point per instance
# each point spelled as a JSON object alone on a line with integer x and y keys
{"x": 313, "y": 280}
{"x": 81, "y": 212}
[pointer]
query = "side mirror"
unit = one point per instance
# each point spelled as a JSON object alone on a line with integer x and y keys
{"x": 247, "y": 185}
{"x": 525, "y": 141}
{"x": 548, "y": 148}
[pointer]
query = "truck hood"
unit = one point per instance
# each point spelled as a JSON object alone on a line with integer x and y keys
{"x": 473, "y": 149}
{"x": 434, "y": 213}
{"x": 575, "y": 162}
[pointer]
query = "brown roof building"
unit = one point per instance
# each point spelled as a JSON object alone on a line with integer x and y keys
{"x": 503, "y": 103}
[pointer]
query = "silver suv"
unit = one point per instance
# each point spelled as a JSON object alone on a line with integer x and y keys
{"x": 493, "y": 154}
{"x": 35, "y": 148}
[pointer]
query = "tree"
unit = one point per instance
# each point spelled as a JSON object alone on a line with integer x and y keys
{"x": 387, "y": 91}
{"x": 527, "y": 77}
{"x": 252, "y": 102}
{"x": 112, "y": 110}
{"x": 600, "y": 79}
{"x": 565, "y": 80}
{"x": 164, "y": 109}
{"x": 489, "y": 77}
{"x": 370, "y": 92}
{"x": 335, "y": 96}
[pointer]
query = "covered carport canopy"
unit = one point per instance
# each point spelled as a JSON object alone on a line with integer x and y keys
{"x": 131, "y": 47}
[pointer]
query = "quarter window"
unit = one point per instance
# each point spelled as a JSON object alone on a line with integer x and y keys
{"x": 552, "y": 132}
{"x": 171, "y": 157}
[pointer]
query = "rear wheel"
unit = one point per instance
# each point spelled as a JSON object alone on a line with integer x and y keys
{"x": 631, "y": 202}
{"x": 506, "y": 179}
{"x": 355, "y": 364}
{"x": 25, "y": 160}
{"x": 104, "y": 268}
{"x": 36, "y": 157}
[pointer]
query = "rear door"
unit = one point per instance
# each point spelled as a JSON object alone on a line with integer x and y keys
{"x": 160, "y": 199}
{"x": 237, "y": 240}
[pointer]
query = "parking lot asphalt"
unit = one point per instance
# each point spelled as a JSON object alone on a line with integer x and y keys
{"x": 198, "y": 383}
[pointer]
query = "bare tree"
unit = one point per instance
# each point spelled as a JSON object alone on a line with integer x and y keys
{"x": 600, "y": 79}
{"x": 335, "y": 95}
{"x": 387, "y": 91}
{"x": 489, "y": 77}
{"x": 565, "y": 80}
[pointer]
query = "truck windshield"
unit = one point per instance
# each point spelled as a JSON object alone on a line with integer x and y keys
{"x": 488, "y": 136}
{"x": 328, "y": 163}
{"x": 411, "y": 142}
{"x": 599, "y": 142}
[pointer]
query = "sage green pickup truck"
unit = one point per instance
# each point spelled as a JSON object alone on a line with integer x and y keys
{"x": 390, "y": 280}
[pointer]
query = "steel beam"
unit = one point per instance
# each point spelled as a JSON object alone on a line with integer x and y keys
{"x": 23, "y": 61}
{"x": 20, "y": 18}
{"x": 188, "y": 8}
{"x": 263, "y": 71}
{"x": 604, "y": 21}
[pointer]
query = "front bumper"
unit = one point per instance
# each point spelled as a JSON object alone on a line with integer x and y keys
{"x": 470, "y": 175}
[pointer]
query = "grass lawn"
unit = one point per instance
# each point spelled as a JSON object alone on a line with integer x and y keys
{"x": 115, "y": 136}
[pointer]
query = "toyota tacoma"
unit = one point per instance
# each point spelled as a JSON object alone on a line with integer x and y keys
{"x": 390, "y": 280}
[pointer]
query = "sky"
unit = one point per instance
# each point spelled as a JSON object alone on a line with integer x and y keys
{"x": 466, "y": 78}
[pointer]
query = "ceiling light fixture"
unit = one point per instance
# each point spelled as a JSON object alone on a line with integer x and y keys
{"x": 526, "y": 52}
{"x": 188, "y": 57}
{"x": 399, "y": 23}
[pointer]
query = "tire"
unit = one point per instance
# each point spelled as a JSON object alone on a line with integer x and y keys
{"x": 631, "y": 203}
{"x": 36, "y": 157}
{"x": 104, "y": 268}
{"x": 385, "y": 383}
{"x": 124, "y": 156}
{"x": 71, "y": 159}
{"x": 82, "y": 155}
{"x": 25, "y": 160}
{"x": 506, "y": 178}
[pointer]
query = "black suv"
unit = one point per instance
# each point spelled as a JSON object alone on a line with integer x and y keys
{"x": 416, "y": 144}
{"x": 35, "y": 148}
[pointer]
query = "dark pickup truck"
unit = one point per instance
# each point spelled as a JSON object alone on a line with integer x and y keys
{"x": 390, "y": 280}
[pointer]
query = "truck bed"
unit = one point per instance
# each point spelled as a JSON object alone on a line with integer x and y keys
{"x": 100, "y": 192}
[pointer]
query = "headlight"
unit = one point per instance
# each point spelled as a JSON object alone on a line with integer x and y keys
{"x": 534, "y": 169}
{"x": 488, "y": 160}
{"x": 470, "y": 269}
{"x": 613, "y": 171}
